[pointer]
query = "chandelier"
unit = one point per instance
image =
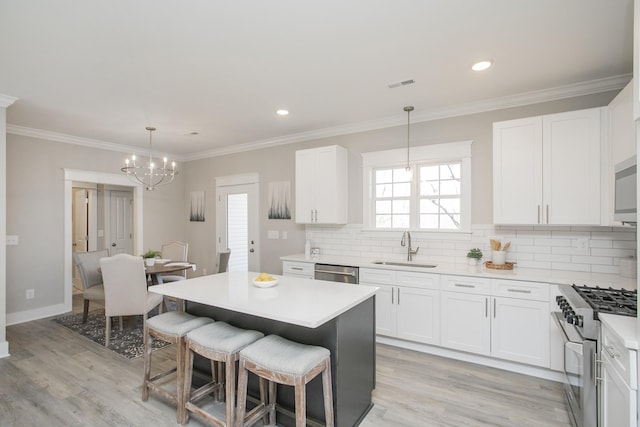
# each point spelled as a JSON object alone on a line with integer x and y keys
{"x": 150, "y": 175}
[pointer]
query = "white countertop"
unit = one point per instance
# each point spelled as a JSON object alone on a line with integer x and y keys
{"x": 624, "y": 326}
{"x": 303, "y": 302}
{"x": 527, "y": 274}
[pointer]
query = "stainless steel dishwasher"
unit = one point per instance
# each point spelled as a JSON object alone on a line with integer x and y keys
{"x": 336, "y": 273}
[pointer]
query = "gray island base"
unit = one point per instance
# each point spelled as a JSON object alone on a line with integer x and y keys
{"x": 351, "y": 339}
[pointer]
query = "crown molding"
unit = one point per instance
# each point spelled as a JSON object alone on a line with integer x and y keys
{"x": 517, "y": 100}
{"x": 6, "y": 100}
{"x": 78, "y": 140}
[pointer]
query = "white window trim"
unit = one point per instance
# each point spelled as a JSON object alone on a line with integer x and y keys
{"x": 436, "y": 153}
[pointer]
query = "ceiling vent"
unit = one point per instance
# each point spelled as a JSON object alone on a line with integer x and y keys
{"x": 402, "y": 83}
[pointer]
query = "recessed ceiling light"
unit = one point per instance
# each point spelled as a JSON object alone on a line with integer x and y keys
{"x": 482, "y": 65}
{"x": 282, "y": 112}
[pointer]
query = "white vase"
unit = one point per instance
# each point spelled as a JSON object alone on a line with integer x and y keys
{"x": 149, "y": 262}
{"x": 499, "y": 257}
{"x": 472, "y": 261}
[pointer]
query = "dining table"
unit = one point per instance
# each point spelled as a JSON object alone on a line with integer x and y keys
{"x": 161, "y": 267}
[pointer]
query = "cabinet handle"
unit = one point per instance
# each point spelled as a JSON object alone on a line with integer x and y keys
{"x": 611, "y": 351}
{"x": 538, "y": 214}
{"x": 547, "y": 214}
{"x": 398, "y": 289}
{"x": 486, "y": 307}
{"x": 463, "y": 285}
{"x": 521, "y": 291}
{"x": 311, "y": 212}
{"x": 494, "y": 308}
{"x": 297, "y": 268}
{"x": 392, "y": 298}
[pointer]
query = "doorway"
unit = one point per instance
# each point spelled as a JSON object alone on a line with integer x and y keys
{"x": 237, "y": 220}
{"x": 72, "y": 176}
{"x": 85, "y": 225}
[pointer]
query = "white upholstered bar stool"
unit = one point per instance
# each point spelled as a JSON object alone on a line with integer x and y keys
{"x": 171, "y": 327}
{"x": 218, "y": 342}
{"x": 281, "y": 361}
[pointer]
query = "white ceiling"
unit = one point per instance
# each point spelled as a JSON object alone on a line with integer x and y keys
{"x": 100, "y": 71}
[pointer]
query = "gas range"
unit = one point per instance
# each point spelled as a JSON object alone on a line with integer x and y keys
{"x": 580, "y": 306}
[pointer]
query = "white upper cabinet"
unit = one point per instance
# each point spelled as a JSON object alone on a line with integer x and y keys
{"x": 622, "y": 129}
{"x": 547, "y": 169}
{"x": 321, "y": 185}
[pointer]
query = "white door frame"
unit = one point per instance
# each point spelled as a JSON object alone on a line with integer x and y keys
{"x": 71, "y": 175}
{"x": 224, "y": 181}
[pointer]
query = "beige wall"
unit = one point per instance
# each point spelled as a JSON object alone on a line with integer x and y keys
{"x": 35, "y": 198}
{"x": 35, "y": 213}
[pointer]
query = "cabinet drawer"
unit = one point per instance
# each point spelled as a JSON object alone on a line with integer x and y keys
{"x": 518, "y": 289}
{"x": 622, "y": 359}
{"x": 375, "y": 275}
{"x": 419, "y": 280}
{"x": 298, "y": 268}
{"x": 466, "y": 284}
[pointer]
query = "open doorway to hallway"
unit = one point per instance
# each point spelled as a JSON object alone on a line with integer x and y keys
{"x": 102, "y": 218}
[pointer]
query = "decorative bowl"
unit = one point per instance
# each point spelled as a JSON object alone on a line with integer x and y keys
{"x": 265, "y": 284}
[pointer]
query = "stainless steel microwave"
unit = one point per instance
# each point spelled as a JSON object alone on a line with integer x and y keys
{"x": 625, "y": 199}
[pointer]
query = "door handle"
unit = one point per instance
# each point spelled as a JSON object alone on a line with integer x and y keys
{"x": 251, "y": 250}
{"x": 113, "y": 244}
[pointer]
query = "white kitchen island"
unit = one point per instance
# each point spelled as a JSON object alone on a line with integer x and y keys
{"x": 337, "y": 316}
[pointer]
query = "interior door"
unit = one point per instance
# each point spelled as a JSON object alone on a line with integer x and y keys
{"x": 80, "y": 219}
{"x": 120, "y": 222}
{"x": 237, "y": 213}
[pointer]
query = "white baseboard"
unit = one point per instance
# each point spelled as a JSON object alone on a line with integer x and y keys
{"x": 4, "y": 349}
{"x": 533, "y": 371}
{"x": 36, "y": 314}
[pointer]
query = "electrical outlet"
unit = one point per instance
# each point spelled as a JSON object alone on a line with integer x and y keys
{"x": 581, "y": 246}
{"x": 31, "y": 293}
{"x": 12, "y": 240}
{"x": 273, "y": 234}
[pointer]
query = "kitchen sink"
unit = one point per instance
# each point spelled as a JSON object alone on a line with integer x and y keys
{"x": 404, "y": 264}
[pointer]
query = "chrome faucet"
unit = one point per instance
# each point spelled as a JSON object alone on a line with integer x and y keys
{"x": 406, "y": 241}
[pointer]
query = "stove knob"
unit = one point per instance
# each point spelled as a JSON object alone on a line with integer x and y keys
{"x": 571, "y": 319}
{"x": 578, "y": 321}
{"x": 559, "y": 299}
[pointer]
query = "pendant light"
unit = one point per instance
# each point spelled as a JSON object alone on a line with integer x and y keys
{"x": 408, "y": 109}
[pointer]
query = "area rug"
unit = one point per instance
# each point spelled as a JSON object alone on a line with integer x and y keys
{"x": 127, "y": 343}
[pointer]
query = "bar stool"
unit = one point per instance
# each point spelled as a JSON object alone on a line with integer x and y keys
{"x": 171, "y": 327}
{"x": 218, "y": 342}
{"x": 281, "y": 361}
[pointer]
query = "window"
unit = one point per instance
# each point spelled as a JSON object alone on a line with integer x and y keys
{"x": 433, "y": 195}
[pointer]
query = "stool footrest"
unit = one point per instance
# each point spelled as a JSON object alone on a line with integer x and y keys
{"x": 256, "y": 413}
{"x": 205, "y": 390}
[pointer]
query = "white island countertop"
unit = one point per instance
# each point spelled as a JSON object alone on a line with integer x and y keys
{"x": 625, "y": 327}
{"x": 303, "y": 302}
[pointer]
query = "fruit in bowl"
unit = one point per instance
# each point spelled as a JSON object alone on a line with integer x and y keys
{"x": 265, "y": 280}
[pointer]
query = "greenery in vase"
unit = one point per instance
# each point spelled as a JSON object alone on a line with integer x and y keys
{"x": 474, "y": 253}
{"x": 152, "y": 254}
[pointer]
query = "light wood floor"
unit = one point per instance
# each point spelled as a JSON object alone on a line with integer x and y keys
{"x": 54, "y": 377}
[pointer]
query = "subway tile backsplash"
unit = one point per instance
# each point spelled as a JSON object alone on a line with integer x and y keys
{"x": 589, "y": 249}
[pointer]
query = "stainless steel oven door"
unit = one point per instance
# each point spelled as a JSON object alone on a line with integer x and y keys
{"x": 579, "y": 375}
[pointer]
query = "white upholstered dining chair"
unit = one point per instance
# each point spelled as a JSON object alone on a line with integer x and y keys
{"x": 176, "y": 252}
{"x": 125, "y": 290}
{"x": 222, "y": 261}
{"x": 88, "y": 264}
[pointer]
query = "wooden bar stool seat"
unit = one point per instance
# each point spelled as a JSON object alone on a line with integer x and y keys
{"x": 281, "y": 361}
{"x": 171, "y": 327}
{"x": 218, "y": 342}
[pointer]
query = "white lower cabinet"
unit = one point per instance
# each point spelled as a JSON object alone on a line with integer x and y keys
{"x": 406, "y": 312}
{"x": 619, "y": 382}
{"x": 465, "y": 322}
{"x": 476, "y": 321}
{"x": 303, "y": 270}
